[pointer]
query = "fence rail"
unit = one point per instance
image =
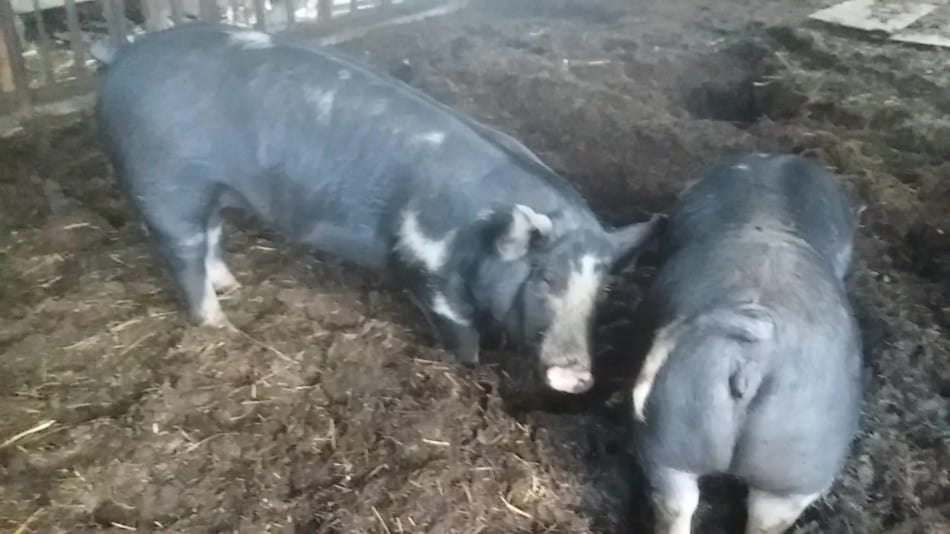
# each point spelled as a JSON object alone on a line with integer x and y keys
{"x": 44, "y": 44}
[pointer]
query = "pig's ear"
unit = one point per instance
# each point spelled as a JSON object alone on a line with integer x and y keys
{"x": 630, "y": 240}
{"x": 519, "y": 230}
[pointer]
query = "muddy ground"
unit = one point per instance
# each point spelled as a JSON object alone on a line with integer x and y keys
{"x": 336, "y": 414}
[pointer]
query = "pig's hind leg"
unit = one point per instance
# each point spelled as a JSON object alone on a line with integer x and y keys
{"x": 177, "y": 211}
{"x": 217, "y": 270}
{"x": 675, "y": 499}
{"x": 774, "y": 514}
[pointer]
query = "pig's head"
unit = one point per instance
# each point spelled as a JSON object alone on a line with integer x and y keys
{"x": 543, "y": 284}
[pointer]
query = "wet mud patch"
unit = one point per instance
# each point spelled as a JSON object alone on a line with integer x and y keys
{"x": 336, "y": 414}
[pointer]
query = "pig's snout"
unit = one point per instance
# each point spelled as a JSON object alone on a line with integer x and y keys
{"x": 569, "y": 378}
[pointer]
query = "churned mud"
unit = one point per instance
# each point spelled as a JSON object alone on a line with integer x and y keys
{"x": 335, "y": 413}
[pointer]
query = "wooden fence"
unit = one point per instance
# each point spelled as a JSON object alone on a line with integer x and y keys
{"x": 44, "y": 44}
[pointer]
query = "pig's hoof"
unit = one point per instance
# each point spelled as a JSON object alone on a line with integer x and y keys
{"x": 569, "y": 379}
{"x": 467, "y": 359}
{"x": 224, "y": 282}
{"x": 217, "y": 321}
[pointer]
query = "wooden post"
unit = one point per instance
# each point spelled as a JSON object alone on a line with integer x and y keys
{"x": 152, "y": 10}
{"x": 118, "y": 8}
{"x": 324, "y": 10}
{"x": 6, "y": 72}
{"x": 13, "y": 65}
{"x": 235, "y": 8}
{"x": 291, "y": 13}
{"x": 75, "y": 39}
{"x": 209, "y": 11}
{"x": 259, "y": 14}
{"x": 45, "y": 60}
{"x": 114, "y": 11}
{"x": 178, "y": 12}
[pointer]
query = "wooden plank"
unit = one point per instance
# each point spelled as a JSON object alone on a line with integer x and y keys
{"x": 921, "y": 38}
{"x": 888, "y": 16}
{"x": 75, "y": 39}
{"x": 27, "y": 6}
{"x": 377, "y": 20}
{"x": 178, "y": 11}
{"x": 260, "y": 15}
{"x": 932, "y": 30}
{"x": 46, "y": 62}
{"x": 16, "y": 67}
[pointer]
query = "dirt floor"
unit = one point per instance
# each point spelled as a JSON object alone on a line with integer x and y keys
{"x": 336, "y": 414}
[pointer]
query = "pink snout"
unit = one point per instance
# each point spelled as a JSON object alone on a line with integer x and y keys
{"x": 569, "y": 378}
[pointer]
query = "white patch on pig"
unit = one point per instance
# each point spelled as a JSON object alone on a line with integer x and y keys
{"x": 567, "y": 339}
{"x": 209, "y": 310}
{"x": 377, "y": 107}
{"x": 251, "y": 40}
{"x": 662, "y": 346}
{"x": 773, "y": 514}
{"x": 324, "y": 103}
{"x": 741, "y": 167}
{"x": 842, "y": 261}
{"x": 215, "y": 269}
{"x": 432, "y": 138}
{"x": 344, "y": 74}
{"x": 514, "y": 244}
{"x": 192, "y": 241}
{"x": 677, "y": 503}
{"x": 441, "y": 306}
{"x": 420, "y": 248}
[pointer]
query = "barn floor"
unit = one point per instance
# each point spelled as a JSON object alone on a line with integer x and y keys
{"x": 336, "y": 414}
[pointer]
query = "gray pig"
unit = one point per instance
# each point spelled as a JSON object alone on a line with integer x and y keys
{"x": 353, "y": 163}
{"x": 755, "y": 369}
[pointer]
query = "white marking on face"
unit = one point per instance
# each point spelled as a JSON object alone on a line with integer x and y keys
{"x": 741, "y": 167}
{"x": 215, "y": 268}
{"x": 251, "y": 40}
{"x": 441, "y": 306}
{"x": 433, "y": 138}
{"x": 773, "y": 514}
{"x": 344, "y": 74}
{"x": 659, "y": 352}
{"x": 430, "y": 253}
{"x": 565, "y": 344}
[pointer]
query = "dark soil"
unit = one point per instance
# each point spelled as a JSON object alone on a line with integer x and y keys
{"x": 337, "y": 414}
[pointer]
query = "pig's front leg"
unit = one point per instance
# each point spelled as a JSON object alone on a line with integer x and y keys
{"x": 451, "y": 322}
